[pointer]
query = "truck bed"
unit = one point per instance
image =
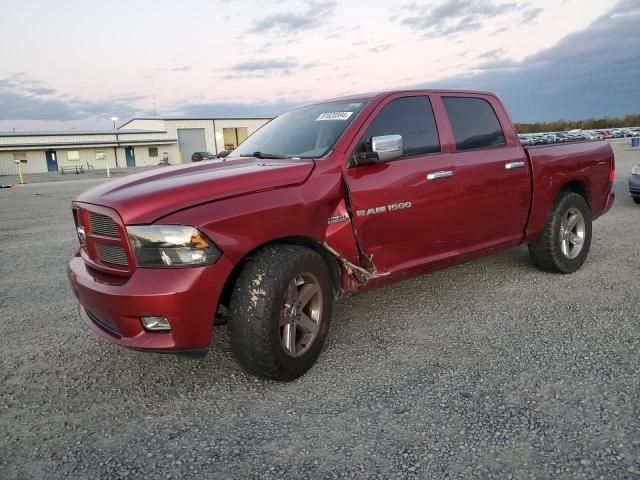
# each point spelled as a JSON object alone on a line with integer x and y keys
{"x": 553, "y": 164}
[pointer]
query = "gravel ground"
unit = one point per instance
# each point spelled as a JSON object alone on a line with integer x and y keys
{"x": 491, "y": 369}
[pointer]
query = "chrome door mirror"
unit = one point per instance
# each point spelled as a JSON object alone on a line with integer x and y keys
{"x": 388, "y": 147}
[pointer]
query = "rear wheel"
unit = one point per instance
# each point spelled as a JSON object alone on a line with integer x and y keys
{"x": 636, "y": 199}
{"x": 564, "y": 243}
{"x": 280, "y": 311}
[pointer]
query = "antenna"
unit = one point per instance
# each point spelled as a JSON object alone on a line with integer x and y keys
{"x": 155, "y": 112}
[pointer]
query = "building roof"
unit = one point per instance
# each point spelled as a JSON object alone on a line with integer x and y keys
{"x": 67, "y": 133}
{"x": 194, "y": 118}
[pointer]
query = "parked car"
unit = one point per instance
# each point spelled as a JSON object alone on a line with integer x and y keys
{"x": 326, "y": 199}
{"x": 539, "y": 139}
{"x": 634, "y": 184}
{"x": 526, "y": 140}
{"x": 200, "y": 156}
{"x": 604, "y": 134}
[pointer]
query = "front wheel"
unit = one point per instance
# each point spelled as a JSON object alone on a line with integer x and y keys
{"x": 564, "y": 243}
{"x": 636, "y": 199}
{"x": 280, "y": 311}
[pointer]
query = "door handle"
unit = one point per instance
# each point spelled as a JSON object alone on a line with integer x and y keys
{"x": 440, "y": 175}
{"x": 512, "y": 165}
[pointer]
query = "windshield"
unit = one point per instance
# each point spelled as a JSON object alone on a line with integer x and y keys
{"x": 307, "y": 132}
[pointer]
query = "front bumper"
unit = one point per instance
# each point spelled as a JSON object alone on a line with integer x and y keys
{"x": 634, "y": 186}
{"x": 187, "y": 297}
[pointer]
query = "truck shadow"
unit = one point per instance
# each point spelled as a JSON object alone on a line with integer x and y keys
{"x": 356, "y": 323}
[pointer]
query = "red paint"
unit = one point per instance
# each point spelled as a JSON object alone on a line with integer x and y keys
{"x": 242, "y": 204}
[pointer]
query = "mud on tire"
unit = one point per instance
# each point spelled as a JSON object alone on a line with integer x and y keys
{"x": 271, "y": 333}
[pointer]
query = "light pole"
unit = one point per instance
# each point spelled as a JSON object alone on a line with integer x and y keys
{"x": 115, "y": 149}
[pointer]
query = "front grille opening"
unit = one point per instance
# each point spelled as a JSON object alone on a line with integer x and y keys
{"x": 111, "y": 254}
{"x": 103, "y": 225}
{"x": 104, "y": 323}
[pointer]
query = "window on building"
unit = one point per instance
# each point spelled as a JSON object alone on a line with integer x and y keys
{"x": 474, "y": 122}
{"x": 153, "y": 152}
{"x": 101, "y": 155}
{"x": 411, "y": 117}
{"x": 73, "y": 155}
{"x": 20, "y": 157}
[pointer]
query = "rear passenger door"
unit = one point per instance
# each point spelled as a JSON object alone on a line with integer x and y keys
{"x": 402, "y": 219}
{"x": 491, "y": 173}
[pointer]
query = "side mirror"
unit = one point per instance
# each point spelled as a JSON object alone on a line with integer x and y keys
{"x": 383, "y": 149}
{"x": 388, "y": 147}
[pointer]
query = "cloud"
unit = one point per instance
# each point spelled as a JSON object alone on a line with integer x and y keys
{"x": 586, "y": 74}
{"x": 380, "y": 48}
{"x": 262, "y": 65}
{"x": 313, "y": 15}
{"x": 180, "y": 69}
{"x": 453, "y": 16}
{"x": 234, "y": 109}
{"x": 492, "y": 53}
{"x": 24, "y": 98}
{"x": 499, "y": 64}
{"x": 531, "y": 13}
{"x": 41, "y": 90}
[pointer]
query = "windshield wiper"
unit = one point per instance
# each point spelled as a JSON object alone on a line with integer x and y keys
{"x": 262, "y": 155}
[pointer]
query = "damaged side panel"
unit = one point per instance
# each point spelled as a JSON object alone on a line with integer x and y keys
{"x": 340, "y": 240}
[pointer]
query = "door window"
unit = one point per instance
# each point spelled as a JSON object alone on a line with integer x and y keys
{"x": 411, "y": 117}
{"x": 474, "y": 123}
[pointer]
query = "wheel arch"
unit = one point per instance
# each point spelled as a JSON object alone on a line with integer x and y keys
{"x": 302, "y": 241}
{"x": 579, "y": 187}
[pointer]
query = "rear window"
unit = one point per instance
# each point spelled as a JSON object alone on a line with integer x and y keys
{"x": 474, "y": 122}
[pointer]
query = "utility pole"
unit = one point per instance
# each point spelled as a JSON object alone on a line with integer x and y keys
{"x": 115, "y": 149}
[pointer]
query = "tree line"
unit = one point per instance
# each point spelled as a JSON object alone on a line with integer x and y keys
{"x": 587, "y": 124}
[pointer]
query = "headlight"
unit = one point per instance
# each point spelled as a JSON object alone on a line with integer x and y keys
{"x": 170, "y": 246}
{"x": 635, "y": 170}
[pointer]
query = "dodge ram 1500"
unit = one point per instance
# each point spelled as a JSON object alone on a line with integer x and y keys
{"x": 326, "y": 199}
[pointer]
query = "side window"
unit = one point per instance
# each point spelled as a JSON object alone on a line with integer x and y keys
{"x": 411, "y": 117}
{"x": 474, "y": 122}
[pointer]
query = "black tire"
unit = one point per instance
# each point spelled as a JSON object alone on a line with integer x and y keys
{"x": 636, "y": 199}
{"x": 546, "y": 251}
{"x": 257, "y": 303}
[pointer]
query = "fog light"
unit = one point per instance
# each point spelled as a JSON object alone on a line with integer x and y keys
{"x": 155, "y": 324}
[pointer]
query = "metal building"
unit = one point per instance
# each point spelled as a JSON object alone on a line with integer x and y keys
{"x": 212, "y": 135}
{"x": 38, "y": 152}
{"x": 139, "y": 142}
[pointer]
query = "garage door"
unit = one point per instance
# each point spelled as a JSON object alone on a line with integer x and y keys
{"x": 191, "y": 140}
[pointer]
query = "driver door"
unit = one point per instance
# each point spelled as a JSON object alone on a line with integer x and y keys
{"x": 404, "y": 209}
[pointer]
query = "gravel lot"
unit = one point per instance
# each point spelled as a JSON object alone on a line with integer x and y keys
{"x": 492, "y": 369}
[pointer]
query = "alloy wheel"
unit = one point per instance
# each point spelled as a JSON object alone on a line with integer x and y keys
{"x": 301, "y": 314}
{"x": 572, "y": 233}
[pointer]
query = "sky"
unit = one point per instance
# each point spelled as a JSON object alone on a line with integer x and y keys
{"x": 73, "y": 64}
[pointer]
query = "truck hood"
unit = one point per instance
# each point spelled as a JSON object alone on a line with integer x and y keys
{"x": 146, "y": 197}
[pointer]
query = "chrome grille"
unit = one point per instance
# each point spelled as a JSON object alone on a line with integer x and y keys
{"x": 103, "y": 225}
{"x": 111, "y": 254}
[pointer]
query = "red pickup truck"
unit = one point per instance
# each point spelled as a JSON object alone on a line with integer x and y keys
{"x": 324, "y": 200}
